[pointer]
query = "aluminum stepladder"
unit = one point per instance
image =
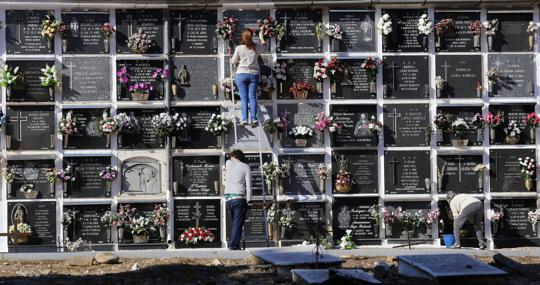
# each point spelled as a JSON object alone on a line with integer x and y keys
{"x": 236, "y": 140}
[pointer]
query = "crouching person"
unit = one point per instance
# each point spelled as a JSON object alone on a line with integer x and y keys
{"x": 465, "y": 207}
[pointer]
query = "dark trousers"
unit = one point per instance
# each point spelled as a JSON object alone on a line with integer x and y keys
{"x": 474, "y": 212}
{"x": 238, "y": 210}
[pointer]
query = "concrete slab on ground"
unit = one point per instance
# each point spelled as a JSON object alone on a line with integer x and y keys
{"x": 321, "y": 276}
{"x": 310, "y": 276}
{"x": 294, "y": 256}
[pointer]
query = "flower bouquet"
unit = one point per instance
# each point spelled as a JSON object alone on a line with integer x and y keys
{"x": 9, "y": 176}
{"x": 334, "y": 71}
{"x": 374, "y": 126}
{"x": 107, "y": 220}
{"x": 491, "y": 28}
{"x": 513, "y": 133}
{"x": 196, "y": 235}
{"x": 163, "y": 125}
{"x": 8, "y": 79}
{"x": 533, "y": 217}
{"x": 67, "y": 176}
{"x": 51, "y": 175}
{"x": 49, "y": 27}
{"x": 528, "y": 171}
{"x": 477, "y": 122}
{"x": 532, "y": 121}
{"x": 443, "y": 124}
{"x": 476, "y": 29}
{"x": 320, "y": 73}
{"x": 161, "y": 75}
{"x": 300, "y": 90}
{"x": 301, "y": 134}
{"x": 441, "y": 28}
{"x": 218, "y": 126}
{"x": 271, "y": 172}
{"x": 140, "y": 42}
{"x": 494, "y": 122}
{"x": 141, "y": 228}
{"x": 28, "y": 191}
{"x": 180, "y": 127}
{"x": 22, "y": 228}
{"x": 335, "y": 33}
{"x": 48, "y": 79}
{"x": 320, "y": 32}
{"x": 226, "y": 30}
{"x": 122, "y": 219}
{"x": 439, "y": 84}
{"x": 346, "y": 241}
{"x": 322, "y": 123}
{"x": 226, "y": 84}
{"x": 531, "y": 30}
{"x": 375, "y": 214}
{"x": 123, "y": 80}
{"x": 459, "y": 126}
{"x": 63, "y": 30}
{"x": 267, "y": 26}
{"x": 389, "y": 218}
{"x": 425, "y": 27}
{"x": 266, "y": 86}
{"x": 67, "y": 220}
{"x": 343, "y": 182}
{"x": 109, "y": 174}
{"x": 385, "y": 28}
{"x": 275, "y": 126}
{"x": 107, "y": 126}
{"x": 493, "y": 76}
{"x": 68, "y": 126}
{"x": 107, "y": 31}
{"x": 371, "y": 67}
{"x": 410, "y": 221}
{"x": 432, "y": 217}
{"x": 140, "y": 91}
{"x": 160, "y": 218}
{"x": 279, "y": 70}
{"x": 127, "y": 125}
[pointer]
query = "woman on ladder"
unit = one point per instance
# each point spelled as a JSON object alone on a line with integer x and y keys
{"x": 246, "y": 56}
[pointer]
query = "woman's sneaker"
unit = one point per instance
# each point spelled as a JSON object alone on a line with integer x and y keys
{"x": 254, "y": 124}
{"x": 244, "y": 123}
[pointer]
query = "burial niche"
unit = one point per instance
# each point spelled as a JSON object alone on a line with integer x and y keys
{"x": 141, "y": 176}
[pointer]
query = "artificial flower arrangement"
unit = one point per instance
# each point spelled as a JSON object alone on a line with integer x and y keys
{"x": 286, "y": 222}
{"x": 196, "y": 235}
{"x": 323, "y": 122}
{"x": 49, "y": 27}
{"x": 108, "y": 174}
{"x": 68, "y": 126}
{"x": 440, "y": 83}
{"x": 335, "y": 33}
{"x": 8, "y": 78}
{"x": 476, "y": 29}
{"x": 375, "y": 214}
{"x": 180, "y": 124}
{"x": 123, "y": 76}
{"x": 22, "y": 228}
{"x": 532, "y": 121}
{"x": 513, "y": 133}
{"x": 301, "y": 134}
{"x": 140, "y": 91}
{"x": 272, "y": 173}
{"x": 384, "y": 26}
{"x": 127, "y": 125}
{"x": 477, "y": 122}
{"x": 160, "y": 75}
{"x": 425, "y": 27}
{"x": 491, "y": 28}
{"x": 493, "y": 76}
{"x": 300, "y": 90}
{"x": 459, "y": 126}
{"x": 266, "y": 85}
{"x": 531, "y": 30}
{"x": 160, "y": 218}
{"x": 276, "y": 126}
{"x": 493, "y": 121}
{"x": 279, "y": 71}
{"x": 140, "y": 42}
{"x": 374, "y": 126}
{"x": 443, "y": 123}
{"x": 266, "y": 27}
{"x": 335, "y": 70}
{"x": 141, "y": 227}
{"x": 163, "y": 124}
{"x": 346, "y": 241}
{"x": 533, "y": 217}
{"x": 226, "y": 84}
{"x": 527, "y": 168}
{"x": 320, "y": 32}
{"x": 49, "y": 79}
{"x": 66, "y": 175}
{"x": 218, "y": 125}
{"x": 320, "y": 73}
{"x": 63, "y": 30}
{"x": 122, "y": 217}
{"x": 389, "y": 218}
{"x": 441, "y": 28}
{"x": 8, "y": 175}
{"x": 343, "y": 182}
{"x": 107, "y": 31}
{"x": 67, "y": 220}
{"x": 226, "y": 28}
{"x": 107, "y": 220}
{"x": 107, "y": 126}
{"x": 371, "y": 67}
{"x": 28, "y": 190}
{"x": 51, "y": 175}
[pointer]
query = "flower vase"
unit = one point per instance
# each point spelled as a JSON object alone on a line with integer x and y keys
{"x": 322, "y": 184}
{"x": 19, "y": 240}
{"x": 333, "y": 87}
{"x": 429, "y": 231}
{"x": 438, "y": 92}
{"x": 174, "y": 89}
{"x": 438, "y": 41}
{"x": 271, "y": 138}
{"x": 492, "y": 135}
{"x": 120, "y": 139}
{"x": 120, "y": 232}
{"x": 460, "y": 142}
{"x": 65, "y": 234}
{"x": 335, "y": 43}
{"x": 108, "y": 233}
{"x": 319, "y": 86}
{"x": 51, "y": 93}
{"x": 269, "y": 184}
{"x": 490, "y": 42}
{"x": 220, "y": 140}
{"x": 140, "y": 238}
{"x": 161, "y": 89}
{"x": 425, "y": 42}
{"x": 66, "y": 188}
{"x": 8, "y": 142}
{"x": 373, "y": 87}
{"x": 531, "y": 42}
{"x": 320, "y": 47}
{"x": 216, "y": 186}
{"x": 119, "y": 91}
{"x": 301, "y": 95}
{"x": 109, "y": 187}
{"x": 300, "y": 142}
{"x": 479, "y": 93}
{"x": 281, "y": 186}
{"x": 173, "y": 141}
{"x": 215, "y": 90}
{"x": 534, "y": 230}
{"x": 162, "y": 141}
{"x": 479, "y": 135}
{"x": 476, "y": 42}
{"x": 65, "y": 139}
{"x": 8, "y": 93}
{"x": 385, "y": 40}
{"x": 388, "y": 231}
{"x": 532, "y": 135}
{"x": 491, "y": 84}
{"x": 175, "y": 188}
{"x": 342, "y": 188}
{"x": 494, "y": 227}
{"x": 50, "y": 44}
{"x": 108, "y": 143}
{"x": 529, "y": 184}
{"x": 512, "y": 139}
{"x": 282, "y": 232}
{"x": 31, "y": 195}
{"x": 106, "y": 45}
{"x": 8, "y": 190}
{"x": 280, "y": 86}
{"x": 64, "y": 45}
{"x": 481, "y": 181}
{"x": 136, "y": 96}
{"x": 162, "y": 233}
{"x": 52, "y": 189}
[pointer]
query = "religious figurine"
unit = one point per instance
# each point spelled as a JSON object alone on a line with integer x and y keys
{"x": 361, "y": 129}
{"x": 183, "y": 76}
{"x": 347, "y": 76}
{"x": 366, "y": 29}
{"x": 342, "y": 164}
{"x": 270, "y": 220}
{"x": 440, "y": 176}
{"x": 344, "y": 218}
{"x": 18, "y": 215}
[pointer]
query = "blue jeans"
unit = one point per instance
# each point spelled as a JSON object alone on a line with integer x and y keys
{"x": 247, "y": 87}
{"x": 238, "y": 209}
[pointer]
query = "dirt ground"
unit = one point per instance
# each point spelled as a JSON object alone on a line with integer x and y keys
{"x": 190, "y": 271}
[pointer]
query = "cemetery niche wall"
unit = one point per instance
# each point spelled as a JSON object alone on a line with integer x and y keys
{"x": 364, "y": 109}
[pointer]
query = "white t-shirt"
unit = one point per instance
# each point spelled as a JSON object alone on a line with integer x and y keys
{"x": 247, "y": 59}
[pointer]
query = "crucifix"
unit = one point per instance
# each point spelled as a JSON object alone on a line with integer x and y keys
{"x": 181, "y": 173}
{"x": 394, "y": 66}
{"x": 19, "y": 119}
{"x": 395, "y": 115}
{"x": 18, "y": 30}
{"x": 180, "y": 22}
{"x": 75, "y": 26}
{"x": 130, "y": 23}
{"x": 459, "y": 159}
{"x": 70, "y": 65}
{"x": 496, "y": 157}
{"x": 285, "y": 24}
{"x": 394, "y": 163}
{"x": 446, "y": 66}
{"x": 197, "y": 215}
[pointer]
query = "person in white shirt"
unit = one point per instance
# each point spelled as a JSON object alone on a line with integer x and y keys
{"x": 465, "y": 207}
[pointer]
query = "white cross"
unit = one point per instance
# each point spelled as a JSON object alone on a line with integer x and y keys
{"x": 197, "y": 215}
{"x": 70, "y": 65}
{"x": 446, "y": 66}
{"x": 19, "y": 119}
{"x": 459, "y": 159}
{"x": 180, "y": 19}
{"x": 18, "y": 21}
{"x": 395, "y": 116}
{"x": 130, "y": 25}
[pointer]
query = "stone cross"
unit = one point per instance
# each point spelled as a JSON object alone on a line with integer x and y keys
{"x": 459, "y": 159}
{"x": 395, "y": 115}
{"x": 394, "y": 163}
{"x": 496, "y": 157}
{"x": 130, "y": 23}
{"x": 285, "y": 23}
{"x": 180, "y": 22}
{"x": 394, "y": 66}
{"x": 19, "y": 119}
{"x": 446, "y": 66}
{"x": 197, "y": 215}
